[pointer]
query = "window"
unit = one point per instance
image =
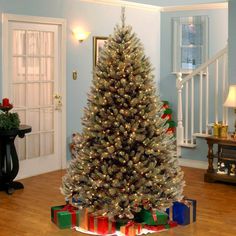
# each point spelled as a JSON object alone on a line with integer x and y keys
{"x": 190, "y": 43}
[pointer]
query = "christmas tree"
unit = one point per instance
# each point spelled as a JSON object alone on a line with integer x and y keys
{"x": 124, "y": 159}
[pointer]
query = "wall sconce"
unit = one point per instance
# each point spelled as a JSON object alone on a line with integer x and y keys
{"x": 80, "y": 35}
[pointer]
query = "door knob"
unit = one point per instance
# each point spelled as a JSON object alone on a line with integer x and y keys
{"x": 57, "y": 102}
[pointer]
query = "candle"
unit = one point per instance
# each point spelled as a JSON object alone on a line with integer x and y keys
{"x": 5, "y": 102}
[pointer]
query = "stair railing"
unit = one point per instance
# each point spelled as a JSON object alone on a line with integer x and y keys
{"x": 195, "y": 94}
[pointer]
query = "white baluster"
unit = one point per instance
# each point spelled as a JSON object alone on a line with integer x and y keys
{"x": 200, "y": 104}
{"x": 192, "y": 109}
{"x": 186, "y": 113}
{"x": 180, "y": 128}
{"x": 207, "y": 99}
{"x": 226, "y": 85}
{"x": 216, "y": 89}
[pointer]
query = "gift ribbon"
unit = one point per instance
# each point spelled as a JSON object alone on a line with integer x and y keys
{"x": 189, "y": 204}
{"x": 130, "y": 225}
{"x": 83, "y": 219}
{"x": 171, "y": 213}
{"x": 69, "y": 208}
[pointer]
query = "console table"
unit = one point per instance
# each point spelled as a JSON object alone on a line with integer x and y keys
{"x": 211, "y": 174}
{"x": 9, "y": 163}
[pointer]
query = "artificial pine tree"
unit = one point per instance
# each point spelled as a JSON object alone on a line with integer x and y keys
{"x": 125, "y": 160}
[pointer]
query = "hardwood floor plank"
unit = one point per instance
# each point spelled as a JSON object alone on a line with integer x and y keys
{"x": 27, "y": 211}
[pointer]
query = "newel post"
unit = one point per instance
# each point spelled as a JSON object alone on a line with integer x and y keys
{"x": 180, "y": 128}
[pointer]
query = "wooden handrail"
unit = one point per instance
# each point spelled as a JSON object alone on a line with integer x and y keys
{"x": 203, "y": 66}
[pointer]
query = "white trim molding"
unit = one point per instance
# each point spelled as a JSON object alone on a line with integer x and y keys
{"x": 122, "y": 3}
{"x": 209, "y": 6}
{"x": 193, "y": 163}
{"x": 193, "y": 7}
{"x": 6, "y": 18}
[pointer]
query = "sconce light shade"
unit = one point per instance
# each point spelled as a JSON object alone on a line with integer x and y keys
{"x": 231, "y": 98}
{"x": 80, "y": 35}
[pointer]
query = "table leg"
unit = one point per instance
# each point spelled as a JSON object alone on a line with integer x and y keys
{"x": 210, "y": 158}
{"x": 9, "y": 166}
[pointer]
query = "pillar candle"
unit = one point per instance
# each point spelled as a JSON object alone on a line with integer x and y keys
{"x": 5, "y": 102}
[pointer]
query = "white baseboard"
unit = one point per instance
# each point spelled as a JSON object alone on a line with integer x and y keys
{"x": 193, "y": 163}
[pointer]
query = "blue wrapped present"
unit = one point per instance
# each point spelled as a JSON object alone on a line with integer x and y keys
{"x": 76, "y": 200}
{"x": 183, "y": 212}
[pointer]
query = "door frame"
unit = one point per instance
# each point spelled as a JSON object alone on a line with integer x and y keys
{"x": 61, "y": 23}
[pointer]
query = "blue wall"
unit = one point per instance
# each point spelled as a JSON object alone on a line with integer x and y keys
{"x": 100, "y": 20}
{"x": 218, "y": 35}
{"x": 232, "y": 42}
{"x": 232, "y": 51}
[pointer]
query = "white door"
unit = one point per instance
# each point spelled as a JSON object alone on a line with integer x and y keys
{"x": 35, "y": 89}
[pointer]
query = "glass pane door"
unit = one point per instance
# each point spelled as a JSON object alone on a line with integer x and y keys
{"x": 33, "y": 62}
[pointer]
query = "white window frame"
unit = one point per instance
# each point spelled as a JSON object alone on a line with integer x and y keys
{"x": 177, "y": 23}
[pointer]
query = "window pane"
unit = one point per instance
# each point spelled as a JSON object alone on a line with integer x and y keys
{"x": 33, "y": 94}
{"x": 18, "y": 69}
{"x": 32, "y": 69}
{"x": 192, "y": 34}
{"x": 32, "y": 145}
{"x": 33, "y": 42}
{"x": 47, "y": 69}
{"x": 46, "y": 119}
{"x": 33, "y": 119}
{"x": 21, "y": 114}
{"x": 47, "y": 43}
{"x": 19, "y": 95}
{"x": 46, "y": 95}
{"x": 46, "y": 144}
{"x": 191, "y": 57}
{"x": 20, "y": 148}
{"x": 18, "y": 42}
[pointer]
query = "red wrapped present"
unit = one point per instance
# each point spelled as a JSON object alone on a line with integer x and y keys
{"x": 131, "y": 229}
{"x": 171, "y": 130}
{"x": 101, "y": 225}
{"x": 169, "y": 116}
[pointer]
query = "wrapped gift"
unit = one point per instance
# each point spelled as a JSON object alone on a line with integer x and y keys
{"x": 216, "y": 129}
{"x": 101, "y": 225}
{"x": 131, "y": 228}
{"x": 151, "y": 218}
{"x": 65, "y": 216}
{"x": 167, "y": 113}
{"x": 83, "y": 219}
{"x": 76, "y": 200}
{"x": 165, "y": 104}
{"x": 120, "y": 222}
{"x": 183, "y": 212}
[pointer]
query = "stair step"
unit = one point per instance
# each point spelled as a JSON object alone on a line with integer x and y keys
{"x": 188, "y": 145}
{"x": 201, "y": 135}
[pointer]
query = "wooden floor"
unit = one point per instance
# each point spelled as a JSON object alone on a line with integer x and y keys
{"x": 27, "y": 212}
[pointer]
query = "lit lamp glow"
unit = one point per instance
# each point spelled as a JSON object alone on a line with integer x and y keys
{"x": 231, "y": 100}
{"x": 80, "y": 35}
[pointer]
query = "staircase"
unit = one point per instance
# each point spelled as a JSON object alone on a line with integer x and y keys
{"x": 201, "y": 95}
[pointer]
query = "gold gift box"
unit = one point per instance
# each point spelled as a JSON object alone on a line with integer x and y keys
{"x": 220, "y": 130}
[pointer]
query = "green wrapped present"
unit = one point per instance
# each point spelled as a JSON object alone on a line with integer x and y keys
{"x": 151, "y": 218}
{"x": 121, "y": 222}
{"x": 65, "y": 216}
{"x": 171, "y": 123}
